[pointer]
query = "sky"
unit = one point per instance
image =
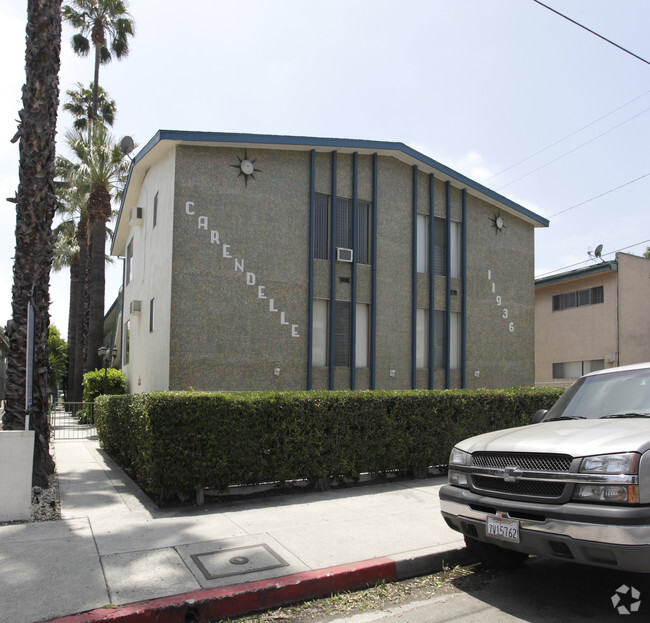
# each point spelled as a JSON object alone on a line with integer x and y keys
{"x": 503, "y": 91}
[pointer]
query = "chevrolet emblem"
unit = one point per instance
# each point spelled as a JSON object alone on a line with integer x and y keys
{"x": 512, "y": 473}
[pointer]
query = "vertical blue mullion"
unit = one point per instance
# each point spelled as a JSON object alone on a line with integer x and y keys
{"x": 432, "y": 314}
{"x": 373, "y": 302}
{"x": 312, "y": 235}
{"x": 332, "y": 309}
{"x": 448, "y": 286}
{"x": 414, "y": 278}
{"x": 463, "y": 276}
{"x": 353, "y": 293}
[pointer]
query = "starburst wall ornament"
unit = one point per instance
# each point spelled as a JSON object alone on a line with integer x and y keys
{"x": 246, "y": 168}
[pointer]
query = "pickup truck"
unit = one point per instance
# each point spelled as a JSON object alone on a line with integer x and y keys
{"x": 574, "y": 485}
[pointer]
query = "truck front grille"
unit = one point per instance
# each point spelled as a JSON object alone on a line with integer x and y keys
{"x": 534, "y": 461}
{"x": 520, "y": 488}
{"x": 538, "y": 462}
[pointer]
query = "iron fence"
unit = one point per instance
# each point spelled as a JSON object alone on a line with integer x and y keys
{"x": 72, "y": 420}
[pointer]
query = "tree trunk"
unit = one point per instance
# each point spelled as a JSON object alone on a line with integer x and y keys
{"x": 99, "y": 207}
{"x": 36, "y": 204}
{"x": 80, "y": 325}
{"x": 72, "y": 326}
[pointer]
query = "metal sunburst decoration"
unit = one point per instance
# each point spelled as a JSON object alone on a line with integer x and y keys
{"x": 498, "y": 223}
{"x": 246, "y": 167}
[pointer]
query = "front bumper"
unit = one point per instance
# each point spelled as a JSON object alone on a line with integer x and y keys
{"x": 613, "y": 536}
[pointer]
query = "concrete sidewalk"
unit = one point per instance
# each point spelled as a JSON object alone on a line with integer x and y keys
{"x": 116, "y": 556}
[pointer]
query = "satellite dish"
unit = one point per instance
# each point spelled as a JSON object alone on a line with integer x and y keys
{"x": 599, "y": 250}
{"x": 127, "y": 145}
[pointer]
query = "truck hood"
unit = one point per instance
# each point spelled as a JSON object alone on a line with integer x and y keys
{"x": 572, "y": 437}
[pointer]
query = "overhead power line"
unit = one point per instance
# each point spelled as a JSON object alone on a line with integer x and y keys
{"x": 607, "y": 192}
{"x": 591, "y": 140}
{"x": 593, "y": 32}
{"x": 564, "y": 138}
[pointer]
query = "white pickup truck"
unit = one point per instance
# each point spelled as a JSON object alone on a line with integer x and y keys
{"x": 574, "y": 485}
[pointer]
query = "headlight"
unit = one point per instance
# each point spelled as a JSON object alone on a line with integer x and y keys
{"x": 627, "y": 463}
{"x": 458, "y": 457}
{"x": 615, "y": 494}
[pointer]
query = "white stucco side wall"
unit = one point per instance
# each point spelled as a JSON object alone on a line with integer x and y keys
{"x": 146, "y": 365}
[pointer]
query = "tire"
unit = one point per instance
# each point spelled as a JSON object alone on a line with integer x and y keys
{"x": 492, "y": 556}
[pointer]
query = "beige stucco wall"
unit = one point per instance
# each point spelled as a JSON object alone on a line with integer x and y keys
{"x": 147, "y": 368}
{"x": 226, "y": 332}
{"x": 634, "y": 318}
{"x": 576, "y": 334}
{"x": 228, "y": 267}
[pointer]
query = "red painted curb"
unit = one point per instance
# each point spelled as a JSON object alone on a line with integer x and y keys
{"x": 231, "y": 601}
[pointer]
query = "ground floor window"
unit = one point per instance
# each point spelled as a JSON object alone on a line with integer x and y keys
{"x": 575, "y": 369}
{"x": 342, "y": 334}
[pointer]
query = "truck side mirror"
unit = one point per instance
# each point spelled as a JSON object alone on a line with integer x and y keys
{"x": 539, "y": 416}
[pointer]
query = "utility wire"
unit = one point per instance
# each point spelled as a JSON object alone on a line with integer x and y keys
{"x": 593, "y": 32}
{"x": 591, "y": 140}
{"x": 552, "y": 272}
{"x": 584, "y": 127}
{"x": 607, "y": 192}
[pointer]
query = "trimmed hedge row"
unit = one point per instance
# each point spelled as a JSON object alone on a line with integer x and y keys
{"x": 176, "y": 443}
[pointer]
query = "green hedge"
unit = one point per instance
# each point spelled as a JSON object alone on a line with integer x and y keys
{"x": 176, "y": 443}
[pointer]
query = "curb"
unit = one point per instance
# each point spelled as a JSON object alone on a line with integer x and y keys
{"x": 232, "y": 601}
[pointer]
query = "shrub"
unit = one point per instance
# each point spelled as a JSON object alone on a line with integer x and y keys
{"x": 176, "y": 443}
{"x": 93, "y": 383}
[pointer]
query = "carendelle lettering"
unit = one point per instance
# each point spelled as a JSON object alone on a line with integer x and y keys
{"x": 251, "y": 279}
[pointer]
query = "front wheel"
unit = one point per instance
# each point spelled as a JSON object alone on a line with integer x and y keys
{"x": 493, "y": 556}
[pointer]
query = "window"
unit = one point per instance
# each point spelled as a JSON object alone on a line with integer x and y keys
{"x": 454, "y": 336}
{"x": 578, "y": 298}
{"x": 439, "y": 344}
{"x": 151, "y": 314}
{"x": 422, "y": 339}
{"x": 439, "y": 246}
{"x": 454, "y": 243}
{"x": 127, "y": 340}
{"x": 439, "y": 351}
{"x": 321, "y": 238}
{"x": 155, "y": 210}
{"x": 362, "y": 341}
{"x": 575, "y": 369}
{"x": 342, "y": 334}
{"x": 423, "y": 243}
{"x": 319, "y": 333}
{"x": 440, "y": 243}
{"x": 344, "y": 216}
{"x": 129, "y": 262}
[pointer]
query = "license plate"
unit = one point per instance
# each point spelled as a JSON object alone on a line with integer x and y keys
{"x": 502, "y": 528}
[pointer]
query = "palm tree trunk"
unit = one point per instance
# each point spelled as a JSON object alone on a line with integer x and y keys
{"x": 72, "y": 326}
{"x": 97, "y": 283}
{"x": 36, "y": 204}
{"x": 80, "y": 324}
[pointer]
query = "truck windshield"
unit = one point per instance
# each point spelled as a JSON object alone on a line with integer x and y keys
{"x": 617, "y": 394}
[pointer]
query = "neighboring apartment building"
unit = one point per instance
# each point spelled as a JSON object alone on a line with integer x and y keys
{"x": 259, "y": 262}
{"x": 593, "y": 318}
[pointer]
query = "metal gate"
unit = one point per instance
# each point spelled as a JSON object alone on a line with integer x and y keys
{"x": 72, "y": 420}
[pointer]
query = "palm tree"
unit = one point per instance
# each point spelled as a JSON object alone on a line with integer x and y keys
{"x": 73, "y": 203}
{"x": 99, "y": 169}
{"x": 36, "y": 205}
{"x": 108, "y": 24}
{"x": 80, "y": 106}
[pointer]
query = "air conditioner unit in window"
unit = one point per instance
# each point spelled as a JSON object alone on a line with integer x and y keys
{"x": 343, "y": 254}
{"x": 136, "y": 215}
{"x": 135, "y": 307}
